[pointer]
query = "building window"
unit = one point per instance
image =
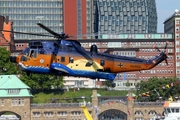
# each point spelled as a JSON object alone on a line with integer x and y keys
{"x": 178, "y": 64}
{"x": 24, "y": 114}
{"x": 48, "y": 114}
{"x": 62, "y": 113}
{"x": 22, "y": 102}
{"x": 79, "y": 83}
{"x": 177, "y": 29}
{"x": 76, "y": 113}
{"x": 2, "y": 102}
{"x": 177, "y": 49}
{"x": 177, "y": 35}
{"x": 177, "y": 42}
{"x": 177, "y": 21}
{"x": 12, "y": 102}
{"x": 36, "y": 114}
{"x": 13, "y": 91}
{"x": 19, "y": 102}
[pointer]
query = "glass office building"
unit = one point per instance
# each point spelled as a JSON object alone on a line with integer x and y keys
{"x": 125, "y": 16}
{"x": 25, "y": 15}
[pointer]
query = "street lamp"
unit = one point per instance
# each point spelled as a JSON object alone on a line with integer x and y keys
{"x": 176, "y": 98}
{"x": 160, "y": 98}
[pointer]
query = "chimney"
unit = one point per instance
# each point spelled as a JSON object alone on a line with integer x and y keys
{"x": 7, "y": 19}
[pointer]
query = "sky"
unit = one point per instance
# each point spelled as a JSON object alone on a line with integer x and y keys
{"x": 165, "y": 8}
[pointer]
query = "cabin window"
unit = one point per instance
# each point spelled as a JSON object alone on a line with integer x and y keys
{"x": 71, "y": 59}
{"x": 62, "y": 59}
{"x": 177, "y": 110}
{"x": 41, "y": 52}
{"x": 102, "y": 62}
{"x": 33, "y": 54}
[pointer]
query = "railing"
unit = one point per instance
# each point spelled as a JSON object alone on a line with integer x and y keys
{"x": 103, "y": 99}
{"x": 113, "y": 100}
{"x": 148, "y": 103}
{"x": 52, "y": 105}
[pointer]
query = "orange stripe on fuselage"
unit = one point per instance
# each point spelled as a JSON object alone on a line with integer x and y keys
{"x": 79, "y": 63}
{"x": 129, "y": 66}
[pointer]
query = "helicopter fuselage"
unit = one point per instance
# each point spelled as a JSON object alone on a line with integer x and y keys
{"x": 68, "y": 58}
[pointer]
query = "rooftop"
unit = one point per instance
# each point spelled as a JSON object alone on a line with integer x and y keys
{"x": 175, "y": 14}
{"x": 12, "y": 86}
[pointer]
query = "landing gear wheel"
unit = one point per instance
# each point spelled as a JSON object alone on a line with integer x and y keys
{"x": 113, "y": 85}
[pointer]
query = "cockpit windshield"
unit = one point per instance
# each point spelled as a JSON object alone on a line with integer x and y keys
{"x": 25, "y": 51}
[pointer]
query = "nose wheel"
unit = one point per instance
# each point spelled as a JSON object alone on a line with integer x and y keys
{"x": 113, "y": 85}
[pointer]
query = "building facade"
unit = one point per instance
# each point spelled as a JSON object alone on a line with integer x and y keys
{"x": 26, "y": 14}
{"x": 77, "y": 17}
{"x": 15, "y": 95}
{"x": 16, "y": 99}
{"x": 125, "y": 16}
{"x": 172, "y": 25}
{"x": 70, "y": 16}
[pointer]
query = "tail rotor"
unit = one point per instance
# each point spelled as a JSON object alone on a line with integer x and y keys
{"x": 163, "y": 52}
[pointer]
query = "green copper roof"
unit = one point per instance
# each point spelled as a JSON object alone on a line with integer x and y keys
{"x": 12, "y": 86}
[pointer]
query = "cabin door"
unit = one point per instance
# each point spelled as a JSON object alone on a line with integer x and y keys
{"x": 33, "y": 57}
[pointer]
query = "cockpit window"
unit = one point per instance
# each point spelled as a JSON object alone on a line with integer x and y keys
{"x": 25, "y": 51}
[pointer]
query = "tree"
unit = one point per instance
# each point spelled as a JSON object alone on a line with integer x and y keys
{"x": 157, "y": 87}
{"x": 58, "y": 81}
{"x": 108, "y": 83}
{"x": 6, "y": 67}
{"x": 42, "y": 81}
{"x": 127, "y": 84}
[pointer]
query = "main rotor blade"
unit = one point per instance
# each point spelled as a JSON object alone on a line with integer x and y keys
{"x": 26, "y": 33}
{"x": 47, "y": 29}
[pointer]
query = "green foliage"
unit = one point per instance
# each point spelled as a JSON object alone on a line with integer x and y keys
{"x": 160, "y": 85}
{"x": 44, "y": 97}
{"x": 6, "y": 67}
{"x": 127, "y": 84}
{"x": 42, "y": 81}
{"x": 108, "y": 83}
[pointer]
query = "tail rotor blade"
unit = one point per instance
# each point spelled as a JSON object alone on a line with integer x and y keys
{"x": 167, "y": 42}
{"x": 166, "y": 62}
{"x": 155, "y": 47}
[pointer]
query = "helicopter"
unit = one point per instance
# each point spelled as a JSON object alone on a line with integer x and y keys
{"x": 67, "y": 57}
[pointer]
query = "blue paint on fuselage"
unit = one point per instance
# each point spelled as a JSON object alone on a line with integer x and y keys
{"x": 75, "y": 73}
{"x": 73, "y": 48}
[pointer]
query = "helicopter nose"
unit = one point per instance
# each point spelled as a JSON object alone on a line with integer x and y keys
{"x": 13, "y": 59}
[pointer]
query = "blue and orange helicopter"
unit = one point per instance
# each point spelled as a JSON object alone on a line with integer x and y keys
{"x": 68, "y": 58}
